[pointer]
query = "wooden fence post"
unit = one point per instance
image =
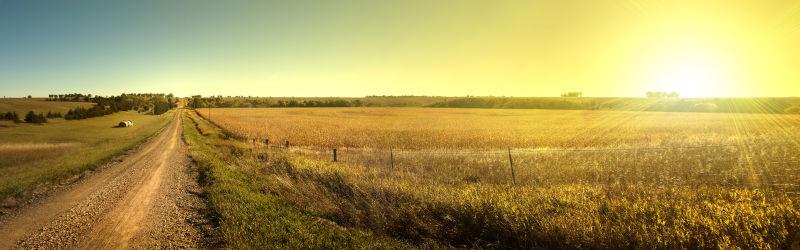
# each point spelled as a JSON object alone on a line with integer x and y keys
{"x": 266, "y": 142}
{"x": 287, "y": 144}
{"x": 511, "y": 163}
{"x": 334, "y": 155}
{"x": 391, "y": 159}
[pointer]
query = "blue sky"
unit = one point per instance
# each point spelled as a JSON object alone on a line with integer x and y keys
{"x": 356, "y": 48}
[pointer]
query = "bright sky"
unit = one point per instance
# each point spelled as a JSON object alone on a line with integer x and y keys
{"x": 426, "y": 47}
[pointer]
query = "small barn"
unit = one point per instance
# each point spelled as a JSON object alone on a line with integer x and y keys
{"x": 125, "y": 124}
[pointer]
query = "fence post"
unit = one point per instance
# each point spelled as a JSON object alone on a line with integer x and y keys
{"x": 334, "y": 155}
{"x": 266, "y": 142}
{"x": 287, "y": 144}
{"x": 391, "y": 159}
{"x": 511, "y": 163}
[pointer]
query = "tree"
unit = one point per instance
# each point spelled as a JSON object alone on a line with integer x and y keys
{"x": 662, "y": 94}
{"x": 34, "y": 118}
{"x": 30, "y": 117}
{"x": 11, "y": 116}
{"x": 572, "y": 94}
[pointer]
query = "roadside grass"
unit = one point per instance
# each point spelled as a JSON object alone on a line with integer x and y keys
{"x": 33, "y": 155}
{"x": 22, "y": 106}
{"x": 251, "y": 218}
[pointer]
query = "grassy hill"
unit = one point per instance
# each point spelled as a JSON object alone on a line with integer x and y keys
{"x": 23, "y": 105}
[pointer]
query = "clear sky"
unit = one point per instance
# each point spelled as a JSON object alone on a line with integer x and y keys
{"x": 357, "y": 48}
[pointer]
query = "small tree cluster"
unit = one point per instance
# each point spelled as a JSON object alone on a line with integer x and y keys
{"x": 662, "y": 94}
{"x": 80, "y": 113}
{"x": 572, "y": 94}
{"x": 34, "y": 118}
{"x": 10, "y": 116}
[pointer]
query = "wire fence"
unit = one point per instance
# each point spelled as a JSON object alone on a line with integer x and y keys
{"x": 773, "y": 164}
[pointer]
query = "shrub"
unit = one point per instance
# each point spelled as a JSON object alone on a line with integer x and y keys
{"x": 34, "y": 118}
{"x": 10, "y": 116}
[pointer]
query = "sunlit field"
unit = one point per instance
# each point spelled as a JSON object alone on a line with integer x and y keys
{"x": 431, "y": 129}
{"x": 531, "y": 178}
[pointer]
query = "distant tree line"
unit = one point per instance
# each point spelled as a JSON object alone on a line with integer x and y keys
{"x": 788, "y": 105}
{"x": 198, "y": 101}
{"x": 526, "y": 103}
{"x": 30, "y": 117}
{"x": 155, "y": 104}
{"x": 76, "y": 97}
{"x": 662, "y": 94}
{"x": 219, "y": 102}
{"x": 660, "y": 102}
{"x": 572, "y": 94}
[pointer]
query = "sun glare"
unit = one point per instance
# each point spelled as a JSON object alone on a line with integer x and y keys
{"x": 690, "y": 79}
{"x": 690, "y": 74}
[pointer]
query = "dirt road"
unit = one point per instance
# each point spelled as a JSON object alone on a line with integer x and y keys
{"x": 146, "y": 200}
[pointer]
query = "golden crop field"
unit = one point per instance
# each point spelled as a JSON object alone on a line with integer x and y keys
{"x": 425, "y": 128}
{"x": 598, "y": 178}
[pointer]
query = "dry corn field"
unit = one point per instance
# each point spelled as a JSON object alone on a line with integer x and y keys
{"x": 547, "y": 147}
{"x": 580, "y": 178}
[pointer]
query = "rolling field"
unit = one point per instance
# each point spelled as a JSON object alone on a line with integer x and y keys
{"x": 36, "y": 154}
{"x": 431, "y": 129}
{"x": 22, "y": 106}
{"x": 580, "y": 178}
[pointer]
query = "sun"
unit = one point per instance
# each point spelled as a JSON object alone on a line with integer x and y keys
{"x": 694, "y": 77}
{"x": 691, "y": 73}
{"x": 690, "y": 59}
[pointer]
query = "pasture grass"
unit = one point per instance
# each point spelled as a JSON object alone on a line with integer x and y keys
{"x": 33, "y": 155}
{"x": 23, "y": 105}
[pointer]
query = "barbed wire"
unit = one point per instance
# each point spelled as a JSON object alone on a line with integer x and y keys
{"x": 506, "y": 151}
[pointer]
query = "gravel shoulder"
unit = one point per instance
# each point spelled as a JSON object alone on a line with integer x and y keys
{"x": 149, "y": 199}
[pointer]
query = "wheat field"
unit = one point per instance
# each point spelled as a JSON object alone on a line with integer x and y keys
{"x": 579, "y": 178}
